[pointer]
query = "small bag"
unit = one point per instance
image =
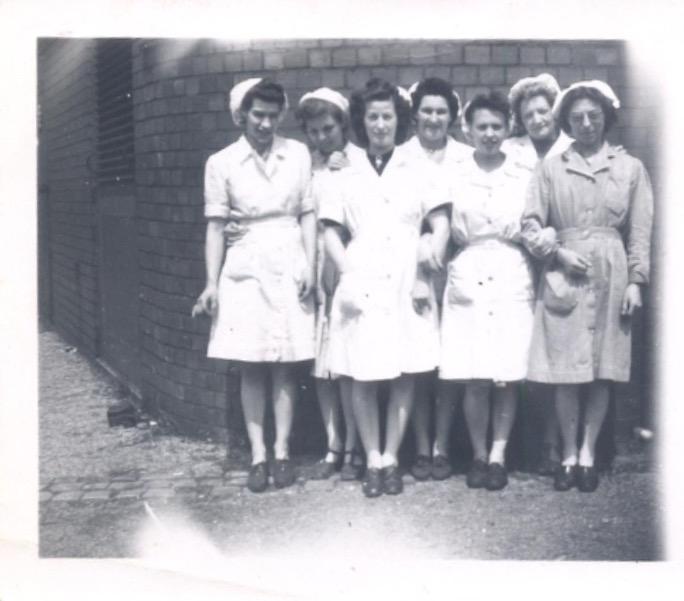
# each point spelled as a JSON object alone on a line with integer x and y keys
{"x": 560, "y": 294}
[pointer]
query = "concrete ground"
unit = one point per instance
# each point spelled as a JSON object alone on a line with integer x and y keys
{"x": 134, "y": 492}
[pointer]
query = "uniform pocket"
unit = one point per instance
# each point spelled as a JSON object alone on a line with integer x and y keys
{"x": 241, "y": 264}
{"x": 617, "y": 195}
{"x": 560, "y": 295}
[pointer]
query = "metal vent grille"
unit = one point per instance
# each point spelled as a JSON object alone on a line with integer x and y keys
{"x": 115, "y": 157}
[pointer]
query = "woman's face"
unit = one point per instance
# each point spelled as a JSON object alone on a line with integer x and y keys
{"x": 325, "y": 134}
{"x": 261, "y": 123}
{"x": 537, "y": 118}
{"x": 432, "y": 120}
{"x": 487, "y": 131}
{"x": 380, "y": 121}
{"x": 587, "y": 122}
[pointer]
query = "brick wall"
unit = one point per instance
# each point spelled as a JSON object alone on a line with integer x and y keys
{"x": 180, "y": 89}
{"x": 66, "y": 94}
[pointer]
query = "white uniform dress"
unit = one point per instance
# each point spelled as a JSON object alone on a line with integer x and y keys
{"x": 522, "y": 150}
{"x": 324, "y": 183}
{"x": 260, "y": 317}
{"x": 383, "y": 214}
{"x": 487, "y": 312}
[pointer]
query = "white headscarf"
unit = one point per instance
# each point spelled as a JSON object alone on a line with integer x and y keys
{"x": 238, "y": 93}
{"x": 600, "y": 86}
{"x": 329, "y": 95}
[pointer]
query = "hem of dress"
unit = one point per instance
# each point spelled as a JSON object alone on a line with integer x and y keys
{"x": 383, "y": 377}
{"x": 257, "y": 359}
{"x": 575, "y": 378}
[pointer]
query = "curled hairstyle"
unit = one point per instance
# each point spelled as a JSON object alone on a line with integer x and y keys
{"x": 266, "y": 91}
{"x": 493, "y": 101}
{"x": 609, "y": 112}
{"x": 378, "y": 89}
{"x": 535, "y": 89}
{"x": 435, "y": 86}
{"x": 313, "y": 108}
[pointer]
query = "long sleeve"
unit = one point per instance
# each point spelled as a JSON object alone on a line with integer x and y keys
{"x": 537, "y": 236}
{"x": 640, "y": 226}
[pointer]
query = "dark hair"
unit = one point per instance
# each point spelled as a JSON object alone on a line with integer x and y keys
{"x": 266, "y": 91}
{"x": 435, "y": 86}
{"x": 609, "y": 113}
{"x": 378, "y": 89}
{"x": 313, "y": 108}
{"x": 493, "y": 101}
{"x": 536, "y": 89}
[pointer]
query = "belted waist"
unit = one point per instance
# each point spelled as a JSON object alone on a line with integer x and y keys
{"x": 585, "y": 233}
{"x": 268, "y": 220}
{"x": 491, "y": 241}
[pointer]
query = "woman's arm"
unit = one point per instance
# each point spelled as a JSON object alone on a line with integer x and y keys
{"x": 537, "y": 237}
{"x": 308, "y": 224}
{"x": 214, "y": 250}
{"x": 334, "y": 247}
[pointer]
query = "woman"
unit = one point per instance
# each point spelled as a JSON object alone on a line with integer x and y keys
{"x": 260, "y": 300}
{"x": 537, "y": 136}
{"x": 435, "y": 106}
{"x": 375, "y": 331}
{"x": 596, "y": 201}
{"x": 536, "y": 133}
{"x": 488, "y": 303}
{"x": 324, "y": 117}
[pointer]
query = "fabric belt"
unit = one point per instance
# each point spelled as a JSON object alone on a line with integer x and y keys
{"x": 585, "y": 233}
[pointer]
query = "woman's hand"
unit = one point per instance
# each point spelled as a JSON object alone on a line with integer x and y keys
{"x": 207, "y": 303}
{"x": 572, "y": 262}
{"x": 337, "y": 160}
{"x": 631, "y": 299}
{"x": 234, "y": 230}
{"x": 546, "y": 240}
{"x": 421, "y": 296}
{"x": 427, "y": 256}
{"x": 306, "y": 285}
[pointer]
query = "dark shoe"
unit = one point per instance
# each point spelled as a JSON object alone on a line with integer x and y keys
{"x": 257, "y": 480}
{"x": 477, "y": 475}
{"x": 587, "y": 478}
{"x": 497, "y": 477}
{"x": 441, "y": 468}
{"x": 283, "y": 473}
{"x": 324, "y": 469}
{"x": 394, "y": 485}
{"x": 373, "y": 482}
{"x": 352, "y": 470}
{"x": 565, "y": 477}
{"x": 549, "y": 463}
{"x": 421, "y": 467}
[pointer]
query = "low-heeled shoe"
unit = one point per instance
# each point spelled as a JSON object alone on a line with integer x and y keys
{"x": 565, "y": 478}
{"x": 441, "y": 468}
{"x": 373, "y": 485}
{"x": 257, "y": 479}
{"x": 477, "y": 475}
{"x": 587, "y": 478}
{"x": 421, "y": 467}
{"x": 394, "y": 485}
{"x": 283, "y": 473}
{"x": 497, "y": 477}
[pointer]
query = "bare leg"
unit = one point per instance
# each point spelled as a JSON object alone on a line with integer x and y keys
{"x": 551, "y": 436}
{"x": 253, "y": 399}
{"x": 503, "y": 416}
{"x": 283, "y": 408}
{"x": 476, "y": 410}
{"x": 329, "y": 403}
{"x": 420, "y": 417}
{"x": 445, "y": 405}
{"x": 365, "y": 402}
{"x": 594, "y": 415}
{"x": 567, "y": 409}
{"x": 398, "y": 412}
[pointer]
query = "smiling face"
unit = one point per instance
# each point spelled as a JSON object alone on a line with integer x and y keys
{"x": 325, "y": 134}
{"x": 487, "y": 131}
{"x": 261, "y": 123}
{"x": 587, "y": 123}
{"x": 432, "y": 121}
{"x": 537, "y": 118}
{"x": 380, "y": 121}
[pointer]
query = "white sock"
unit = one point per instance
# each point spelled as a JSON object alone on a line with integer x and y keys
{"x": 498, "y": 452}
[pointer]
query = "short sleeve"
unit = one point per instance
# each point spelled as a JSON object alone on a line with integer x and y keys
{"x": 434, "y": 194}
{"x": 329, "y": 198}
{"x": 216, "y": 202}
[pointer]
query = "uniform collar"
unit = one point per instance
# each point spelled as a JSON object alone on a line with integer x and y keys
{"x": 245, "y": 150}
{"x": 575, "y": 162}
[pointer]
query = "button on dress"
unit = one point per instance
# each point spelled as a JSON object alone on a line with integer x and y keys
{"x": 604, "y": 211}
{"x": 384, "y": 337}
{"x": 260, "y": 317}
{"x": 487, "y": 310}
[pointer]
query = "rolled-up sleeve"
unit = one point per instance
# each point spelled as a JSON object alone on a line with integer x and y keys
{"x": 436, "y": 193}
{"x": 640, "y": 226}
{"x": 216, "y": 200}
{"x": 330, "y": 201}
{"x": 535, "y": 232}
